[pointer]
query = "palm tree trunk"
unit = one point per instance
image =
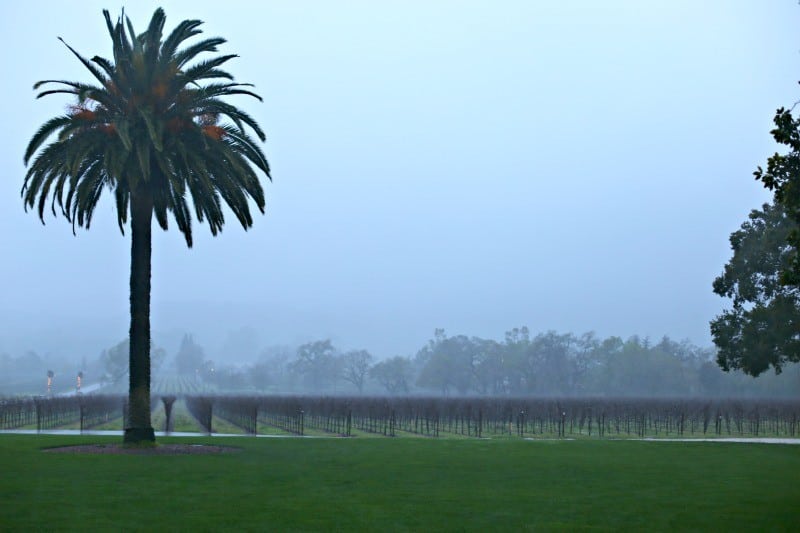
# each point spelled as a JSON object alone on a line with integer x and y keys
{"x": 139, "y": 426}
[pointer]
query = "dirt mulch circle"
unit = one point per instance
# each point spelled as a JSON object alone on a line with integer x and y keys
{"x": 161, "y": 449}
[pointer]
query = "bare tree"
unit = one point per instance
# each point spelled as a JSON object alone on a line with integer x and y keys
{"x": 355, "y": 365}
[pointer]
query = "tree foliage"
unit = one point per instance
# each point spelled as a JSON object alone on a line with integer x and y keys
{"x": 394, "y": 374}
{"x": 761, "y": 329}
{"x": 114, "y": 360}
{"x": 191, "y": 358}
{"x": 782, "y": 176}
{"x": 317, "y": 364}
{"x": 447, "y": 364}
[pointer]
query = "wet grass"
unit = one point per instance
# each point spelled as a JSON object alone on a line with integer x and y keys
{"x": 402, "y": 485}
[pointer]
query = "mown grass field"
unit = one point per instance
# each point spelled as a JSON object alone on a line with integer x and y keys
{"x": 402, "y": 485}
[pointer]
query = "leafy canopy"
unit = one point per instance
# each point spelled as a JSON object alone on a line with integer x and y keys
{"x": 763, "y": 276}
{"x": 153, "y": 124}
{"x": 760, "y": 330}
{"x": 782, "y": 176}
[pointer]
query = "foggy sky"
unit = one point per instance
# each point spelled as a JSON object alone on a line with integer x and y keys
{"x": 468, "y": 165}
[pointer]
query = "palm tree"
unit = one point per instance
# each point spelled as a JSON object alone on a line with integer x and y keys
{"x": 150, "y": 132}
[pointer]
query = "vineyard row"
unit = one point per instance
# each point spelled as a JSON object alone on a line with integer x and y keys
{"x": 493, "y": 417}
{"x": 432, "y": 417}
{"x": 48, "y": 413}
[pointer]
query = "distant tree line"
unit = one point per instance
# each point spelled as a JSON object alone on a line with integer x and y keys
{"x": 521, "y": 364}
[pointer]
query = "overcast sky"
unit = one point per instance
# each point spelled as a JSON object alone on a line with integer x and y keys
{"x": 475, "y": 166}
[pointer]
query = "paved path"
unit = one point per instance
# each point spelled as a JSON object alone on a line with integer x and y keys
{"x": 753, "y": 440}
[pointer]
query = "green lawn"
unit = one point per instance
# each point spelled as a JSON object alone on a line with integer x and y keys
{"x": 402, "y": 485}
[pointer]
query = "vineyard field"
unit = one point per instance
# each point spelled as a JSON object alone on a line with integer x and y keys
{"x": 463, "y": 418}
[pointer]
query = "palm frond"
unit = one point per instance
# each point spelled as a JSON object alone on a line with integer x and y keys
{"x": 183, "y": 31}
{"x": 214, "y": 90}
{"x": 201, "y": 70}
{"x": 41, "y": 135}
{"x": 121, "y": 198}
{"x": 91, "y": 68}
{"x": 187, "y": 54}
{"x": 238, "y": 116}
{"x": 105, "y": 64}
{"x": 152, "y": 40}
